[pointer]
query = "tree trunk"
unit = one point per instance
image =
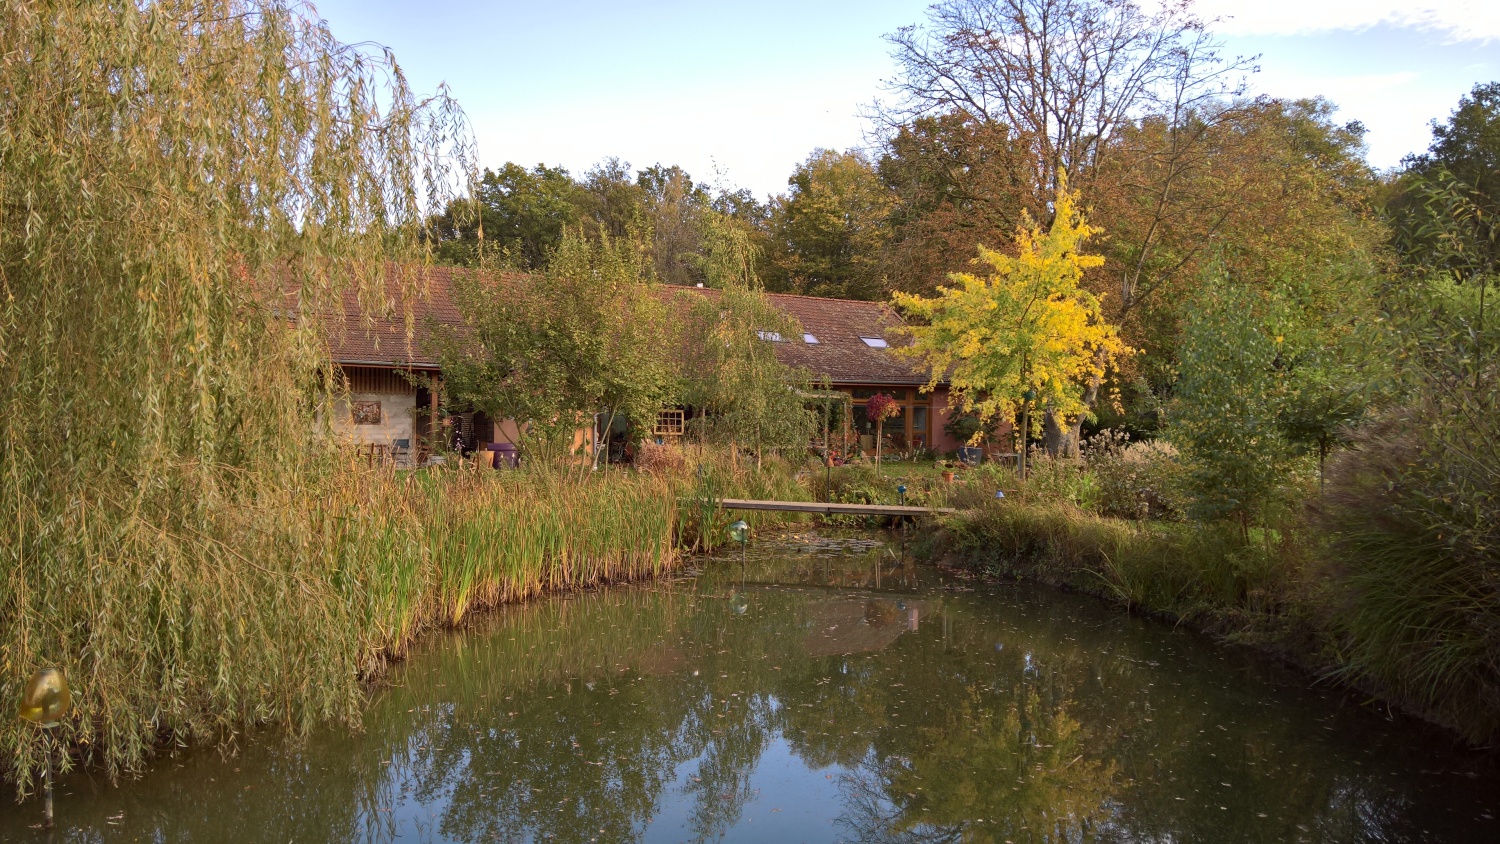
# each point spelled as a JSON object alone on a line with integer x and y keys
{"x": 1060, "y": 437}
{"x": 1025, "y": 435}
{"x": 1063, "y": 438}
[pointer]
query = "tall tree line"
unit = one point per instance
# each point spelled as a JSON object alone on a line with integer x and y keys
{"x": 992, "y": 101}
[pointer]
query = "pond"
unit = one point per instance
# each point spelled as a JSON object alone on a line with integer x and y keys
{"x": 827, "y": 689}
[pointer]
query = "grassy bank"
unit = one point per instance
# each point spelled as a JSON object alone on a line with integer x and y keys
{"x": 280, "y": 608}
{"x": 1282, "y": 593}
{"x": 1347, "y": 585}
{"x": 1203, "y": 575}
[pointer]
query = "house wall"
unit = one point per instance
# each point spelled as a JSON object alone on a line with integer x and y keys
{"x": 941, "y": 411}
{"x": 397, "y": 399}
{"x": 943, "y": 408}
{"x": 396, "y": 414}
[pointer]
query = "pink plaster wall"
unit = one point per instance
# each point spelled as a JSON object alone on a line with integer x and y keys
{"x": 942, "y": 443}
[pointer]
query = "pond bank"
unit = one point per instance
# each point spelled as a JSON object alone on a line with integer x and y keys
{"x": 285, "y": 612}
{"x": 1267, "y": 596}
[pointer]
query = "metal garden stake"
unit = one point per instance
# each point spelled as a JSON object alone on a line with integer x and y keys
{"x": 740, "y": 532}
{"x": 44, "y": 702}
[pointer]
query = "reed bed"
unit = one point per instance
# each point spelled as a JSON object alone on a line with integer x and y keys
{"x": 277, "y": 605}
{"x": 200, "y": 616}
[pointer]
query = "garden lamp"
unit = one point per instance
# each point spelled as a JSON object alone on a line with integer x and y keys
{"x": 740, "y": 532}
{"x": 45, "y": 702}
{"x": 901, "y": 491}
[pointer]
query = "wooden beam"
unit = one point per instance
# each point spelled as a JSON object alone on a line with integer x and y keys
{"x": 832, "y": 509}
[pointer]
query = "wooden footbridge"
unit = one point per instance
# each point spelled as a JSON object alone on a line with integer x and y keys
{"x": 832, "y": 509}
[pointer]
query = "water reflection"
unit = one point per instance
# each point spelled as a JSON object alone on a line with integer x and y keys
{"x": 821, "y": 691}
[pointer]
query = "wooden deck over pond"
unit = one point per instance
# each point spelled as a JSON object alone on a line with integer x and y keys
{"x": 832, "y": 509}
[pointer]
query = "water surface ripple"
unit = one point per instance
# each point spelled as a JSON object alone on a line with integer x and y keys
{"x": 825, "y": 690}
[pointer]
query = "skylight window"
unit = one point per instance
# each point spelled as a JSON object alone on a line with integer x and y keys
{"x": 773, "y": 336}
{"x": 874, "y": 342}
{"x": 808, "y": 338}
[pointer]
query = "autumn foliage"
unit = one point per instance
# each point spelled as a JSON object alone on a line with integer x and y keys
{"x": 1029, "y": 326}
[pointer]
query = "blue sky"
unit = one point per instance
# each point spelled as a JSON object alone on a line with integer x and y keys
{"x": 742, "y": 92}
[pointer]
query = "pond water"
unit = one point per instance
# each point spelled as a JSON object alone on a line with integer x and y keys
{"x": 825, "y": 690}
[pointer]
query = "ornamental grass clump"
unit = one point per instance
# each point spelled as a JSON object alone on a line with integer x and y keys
{"x": 1412, "y": 517}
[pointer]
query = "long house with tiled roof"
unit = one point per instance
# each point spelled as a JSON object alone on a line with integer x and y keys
{"x": 387, "y": 365}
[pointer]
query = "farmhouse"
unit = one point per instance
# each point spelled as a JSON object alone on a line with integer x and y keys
{"x": 390, "y": 372}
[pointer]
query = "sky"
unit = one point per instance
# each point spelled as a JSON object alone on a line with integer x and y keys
{"x": 739, "y": 93}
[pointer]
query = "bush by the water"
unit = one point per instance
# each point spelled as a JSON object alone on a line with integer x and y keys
{"x": 1389, "y": 579}
{"x": 1205, "y": 574}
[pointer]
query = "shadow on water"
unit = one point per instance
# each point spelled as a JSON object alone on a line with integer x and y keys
{"x": 825, "y": 689}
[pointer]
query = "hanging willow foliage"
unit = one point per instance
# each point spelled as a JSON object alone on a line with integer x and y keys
{"x": 185, "y": 187}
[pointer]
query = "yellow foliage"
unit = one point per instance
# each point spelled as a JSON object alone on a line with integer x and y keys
{"x": 1028, "y": 325}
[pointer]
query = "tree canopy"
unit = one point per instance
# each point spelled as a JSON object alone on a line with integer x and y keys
{"x": 1028, "y": 327}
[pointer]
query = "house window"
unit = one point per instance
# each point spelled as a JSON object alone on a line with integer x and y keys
{"x": 808, "y": 338}
{"x": 773, "y": 336}
{"x": 874, "y": 342}
{"x": 669, "y": 423}
{"x": 909, "y": 428}
{"x": 919, "y": 427}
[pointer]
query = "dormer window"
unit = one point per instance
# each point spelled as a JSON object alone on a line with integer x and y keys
{"x": 772, "y": 336}
{"x": 874, "y": 342}
{"x": 808, "y": 338}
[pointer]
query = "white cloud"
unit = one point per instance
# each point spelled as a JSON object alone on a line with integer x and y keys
{"x": 1460, "y": 20}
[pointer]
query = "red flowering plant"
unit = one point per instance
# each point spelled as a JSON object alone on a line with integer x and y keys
{"x": 878, "y": 408}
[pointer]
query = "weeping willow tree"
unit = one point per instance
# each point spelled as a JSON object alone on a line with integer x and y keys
{"x": 186, "y": 190}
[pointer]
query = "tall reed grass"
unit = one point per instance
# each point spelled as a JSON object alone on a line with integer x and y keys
{"x": 285, "y": 605}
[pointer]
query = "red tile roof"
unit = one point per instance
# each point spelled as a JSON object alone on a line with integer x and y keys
{"x": 838, "y": 324}
{"x": 393, "y": 330}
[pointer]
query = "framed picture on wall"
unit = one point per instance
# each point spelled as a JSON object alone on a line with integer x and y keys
{"x": 365, "y": 412}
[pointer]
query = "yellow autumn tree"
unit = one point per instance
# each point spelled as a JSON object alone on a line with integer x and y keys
{"x": 1026, "y": 335}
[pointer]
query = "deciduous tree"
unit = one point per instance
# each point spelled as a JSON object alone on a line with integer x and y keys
{"x": 515, "y": 219}
{"x": 187, "y": 192}
{"x": 1063, "y": 76}
{"x": 1027, "y": 328}
{"x": 829, "y": 230}
{"x": 727, "y": 341}
{"x": 551, "y": 350}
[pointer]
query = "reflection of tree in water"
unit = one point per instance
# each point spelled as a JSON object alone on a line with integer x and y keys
{"x": 555, "y": 733}
{"x": 720, "y": 785}
{"x": 980, "y": 773}
{"x": 997, "y": 719}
